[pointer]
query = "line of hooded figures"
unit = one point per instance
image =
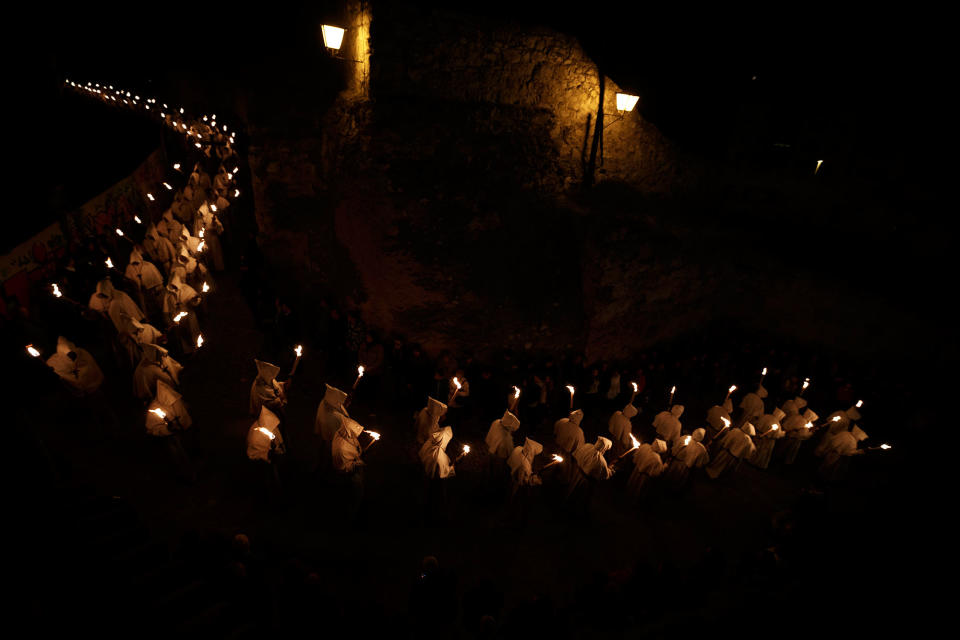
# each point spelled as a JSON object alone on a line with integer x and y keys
{"x": 169, "y": 275}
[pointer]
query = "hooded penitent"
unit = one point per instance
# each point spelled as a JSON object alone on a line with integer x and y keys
{"x": 346, "y": 448}
{"x": 169, "y": 227}
{"x": 330, "y": 413}
{"x": 155, "y": 364}
{"x": 158, "y": 247}
{"x": 115, "y": 304}
{"x": 717, "y": 413}
{"x": 142, "y": 273}
{"x": 590, "y": 459}
{"x": 259, "y": 444}
{"x": 433, "y": 454}
{"x": 76, "y": 367}
{"x": 752, "y": 403}
{"x": 646, "y": 458}
{"x": 499, "y": 438}
{"x": 694, "y": 454}
{"x": 170, "y": 402}
{"x": 567, "y": 432}
{"x": 521, "y": 462}
{"x": 620, "y": 427}
{"x": 667, "y": 423}
{"x": 428, "y": 419}
{"x": 265, "y": 390}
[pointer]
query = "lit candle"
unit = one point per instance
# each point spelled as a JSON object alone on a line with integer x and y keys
{"x": 859, "y": 403}
{"x": 516, "y": 398}
{"x": 56, "y": 290}
{"x": 203, "y": 230}
{"x": 673, "y": 390}
{"x": 201, "y": 246}
{"x": 213, "y": 208}
{"x": 180, "y": 316}
{"x": 160, "y": 413}
{"x": 150, "y": 196}
{"x": 885, "y": 446}
{"x": 109, "y": 263}
{"x": 119, "y": 232}
{"x": 167, "y": 185}
{"x": 32, "y": 351}
{"x": 465, "y": 451}
{"x": 556, "y": 460}
{"x": 572, "y": 391}
{"x": 763, "y": 374}
{"x": 236, "y": 193}
{"x": 732, "y": 388}
{"x": 176, "y": 166}
{"x": 456, "y": 384}
{"x": 360, "y": 371}
{"x": 636, "y": 390}
{"x": 137, "y": 220}
{"x": 199, "y": 341}
{"x": 806, "y": 383}
{"x": 636, "y": 444}
{"x": 206, "y": 287}
{"x": 374, "y": 435}
{"x": 296, "y": 361}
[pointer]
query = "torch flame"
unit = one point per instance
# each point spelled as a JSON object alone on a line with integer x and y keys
{"x": 32, "y": 351}
{"x": 176, "y": 166}
{"x": 633, "y": 439}
{"x": 836, "y": 419}
{"x": 557, "y": 458}
{"x": 636, "y": 388}
{"x": 298, "y": 350}
{"x": 266, "y": 432}
{"x": 137, "y": 220}
{"x": 167, "y": 185}
{"x": 206, "y": 287}
{"x": 201, "y": 246}
{"x": 774, "y": 426}
{"x": 373, "y": 434}
{"x": 119, "y": 232}
{"x": 109, "y": 263}
{"x": 570, "y": 389}
{"x": 732, "y": 388}
{"x": 806, "y": 383}
{"x": 859, "y": 403}
{"x": 673, "y": 389}
{"x": 809, "y": 425}
{"x": 885, "y": 446}
{"x": 687, "y": 440}
{"x": 56, "y": 290}
{"x": 456, "y": 383}
{"x": 360, "y": 371}
{"x": 199, "y": 341}
{"x": 150, "y": 196}
{"x": 235, "y": 169}
{"x": 516, "y": 392}
{"x": 764, "y": 372}
{"x": 726, "y": 422}
{"x": 236, "y": 193}
{"x": 160, "y": 413}
{"x": 180, "y": 316}
{"x": 466, "y": 449}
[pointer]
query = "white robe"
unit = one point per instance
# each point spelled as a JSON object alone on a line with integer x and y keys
{"x": 155, "y": 364}
{"x": 568, "y": 434}
{"x": 346, "y": 448}
{"x": 330, "y": 414}
{"x": 260, "y": 444}
{"x": 176, "y": 417}
{"x": 82, "y": 375}
{"x": 433, "y": 455}
{"x": 499, "y": 438}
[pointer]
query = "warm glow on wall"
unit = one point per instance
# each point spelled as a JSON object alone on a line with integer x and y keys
{"x": 626, "y": 102}
{"x": 332, "y": 37}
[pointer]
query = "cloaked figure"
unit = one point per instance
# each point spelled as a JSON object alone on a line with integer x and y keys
{"x": 76, "y": 367}
{"x": 155, "y": 364}
{"x": 522, "y": 478}
{"x": 428, "y": 419}
{"x": 180, "y": 302}
{"x": 668, "y": 425}
{"x": 264, "y": 438}
{"x": 499, "y": 438}
{"x": 433, "y": 455}
{"x": 735, "y": 445}
{"x": 114, "y": 304}
{"x": 567, "y": 432}
{"x": 621, "y": 429}
{"x": 837, "y": 422}
{"x": 147, "y": 279}
{"x": 798, "y": 429}
{"x": 691, "y": 454}
{"x": 346, "y": 453}
{"x": 167, "y": 418}
{"x": 752, "y": 406}
{"x": 159, "y": 248}
{"x": 647, "y": 464}
{"x": 266, "y": 390}
{"x": 207, "y": 227}
{"x": 837, "y": 456}
{"x": 769, "y": 430}
{"x": 590, "y": 468}
{"x": 135, "y": 334}
{"x": 716, "y": 416}
{"x": 169, "y": 227}
{"x": 331, "y": 414}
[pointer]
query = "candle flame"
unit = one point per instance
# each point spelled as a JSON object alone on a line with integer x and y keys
{"x": 774, "y": 426}
{"x": 809, "y": 425}
{"x": 732, "y": 388}
{"x": 466, "y": 449}
{"x": 176, "y": 166}
{"x": 687, "y": 440}
{"x": 373, "y": 434}
{"x": 726, "y": 422}
{"x": 836, "y": 418}
{"x": 885, "y": 446}
{"x": 160, "y": 413}
{"x": 266, "y": 432}
{"x": 109, "y": 263}
{"x": 457, "y": 384}
{"x": 199, "y": 341}
{"x": 557, "y": 458}
{"x": 203, "y": 230}
{"x": 206, "y": 287}
{"x": 32, "y": 351}
{"x": 806, "y": 383}
{"x": 570, "y": 389}
{"x": 197, "y": 145}
{"x": 636, "y": 388}
{"x": 201, "y": 246}
{"x": 633, "y": 439}
{"x": 213, "y": 208}
{"x": 236, "y": 193}
{"x": 56, "y": 290}
{"x": 298, "y": 350}
{"x": 859, "y": 403}
{"x": 764, "y": 372}
{"x": 360, "y": 371}
{"x": 235, "y": 169}
{"x": 673, "y": 389}
{"x": 180, "y": 316}
{"x": 516, "y": 392}
{"x": 119, "y": 232}
{"x": 167, "y": 185}
{"x": 137, "y": 220}
{"x": 150, "y": 196}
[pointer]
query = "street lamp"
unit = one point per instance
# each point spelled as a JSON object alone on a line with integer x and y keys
{"x": 332, "y": 37}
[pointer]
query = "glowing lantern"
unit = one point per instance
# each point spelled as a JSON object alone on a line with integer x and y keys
{"x": 332, "y": 36}
{"x": 626, "y": 102}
